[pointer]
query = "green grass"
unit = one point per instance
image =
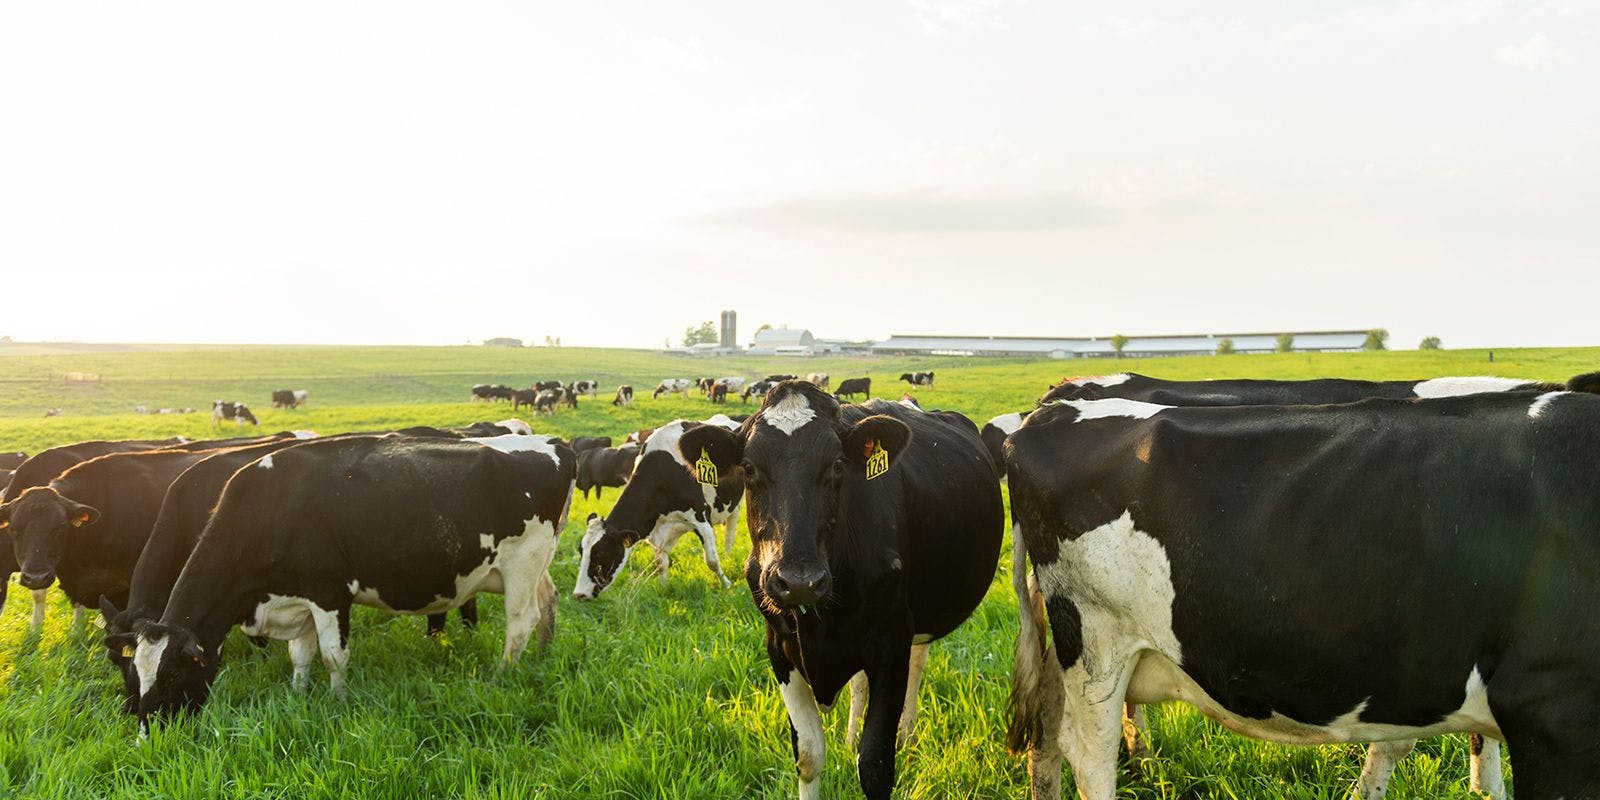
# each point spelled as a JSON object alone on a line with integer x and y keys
{"x": 651, "y": 691}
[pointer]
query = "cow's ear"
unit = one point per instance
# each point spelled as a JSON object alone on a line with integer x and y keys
{"x": 877, "y": 432}
{"x": 724, "y": 447}
{"x": 80, "y": 515}
{"x": 108, "y": 609}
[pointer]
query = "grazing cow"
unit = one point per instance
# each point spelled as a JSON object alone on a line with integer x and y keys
{"x": 719, "y": 392}
{"x": 569, "y": 397}
{"x": 52, "y": 412}
{"x": 290, "y": 398}
{"x": 624, "y": 396}
{"x": 12, "y": 460}
{"x": 704, "y": 384}
{"x": 545, "y": 403}
{"x": 547, "y": 386}
{"x": 582, "y": 443}
{"x": 923, "y": 379}
{"x": 662, "y": 501}
{"x": 589, "y": 387}
{"x": 238, "y": 412}
{"x": 757, "y": 389}
{"x": 489, "y": 393}
{"x": 734, "y": 383}
{"x": 819, "y": 380}
{"x": 775, "y": 379}
{"x": 672, "y": 386}
{"x": 405, "y": 525}
{"x": 1208, "y": 554}
{"x": 524, "y": 397}
{"x": 875, "y": 530}
{"x": 605, "y": 466}
{"x": 850, "y": 387}
{"x": 39, "y": 471}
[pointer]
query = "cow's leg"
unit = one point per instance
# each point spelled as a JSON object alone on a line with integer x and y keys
{"x": 468, "y": 612}
{"x": 39, "y": 600}
{"x": 1485, "y": 767}
{"x": 708, "y": 548}
{"x": 436, "y": 624}
{"x": 333, "y": 636}
{"x": 662, "y": 542}
{"x": 858, "y": 710}
{"x": 886, "y": 694}
{"x": 908, "y": 716}
{"x": 805, "y": 729}
{"x": 1091, "y": 724}
{"x": 730, "y": 530}
{"x": 1382, "y": 758}
{"x": 545, "y": 630}
{"x": 1135, "y": 732}
{"x": 302, "y": 651}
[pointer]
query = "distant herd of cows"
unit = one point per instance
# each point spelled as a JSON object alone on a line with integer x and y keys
{"x": 544, "y": 396}
{"x": 1304, "y": 561}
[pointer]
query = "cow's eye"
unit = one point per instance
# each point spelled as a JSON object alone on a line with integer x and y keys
{"x": 749, "y": 470}
{"x": 835, "y": 470}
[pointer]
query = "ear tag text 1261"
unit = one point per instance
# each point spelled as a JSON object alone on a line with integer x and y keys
{"x": 705, "y": 470}
{"x": 877, "y": 459}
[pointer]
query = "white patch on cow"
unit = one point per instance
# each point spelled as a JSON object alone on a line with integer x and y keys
{"x": 789, "y": 414}
{"x": 911, "y": 404}
{"x": 516, "y": 426}
{"x": 304, "y": 434}
{"x": 146, "y": 660}
{"x": 810, "y": 744}
{"x": 1114, "y": 407}
{"x": 283, "y": 617}
{"x": 40, "y": 597}
{"x": 1102, "y": 380}
{"x": 1008, "y": 423}
{"x": 520, "y": 443}
{"x": 486, "y": 541}
{"x": 1456, "y": 387}
{"x": 584, "y": 588}
{"x": 1541, "y": 402}
{"x": 721, "y": 421}
{"x": 665, "y": 439}
{"x": 265, "y": 462}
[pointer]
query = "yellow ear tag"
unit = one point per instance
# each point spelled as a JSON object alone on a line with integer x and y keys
{"x": 705, "y": 470}
{"x": 127, "y": 651}
{"x": 877, "y": 460}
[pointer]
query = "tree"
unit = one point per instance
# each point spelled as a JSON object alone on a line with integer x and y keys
{"x": 705, "y": 334}
{"x": 765, "y": 326}
{"x": 1224, "y": 347}
{"x": 1377, "y": 339}
{"x": 1118, "y": 342}
{"x": 1285, "y": 342}
{"x": 1430, "y": 343}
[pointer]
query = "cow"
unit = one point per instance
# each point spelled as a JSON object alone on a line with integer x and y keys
{"x": 524, "y": 397}
{"x": 850, "y": 387}
{"x": 624, "y": 396}
{"x": 994, "y": 435}
{"x": 39, "y": 470}
{"x": 664, "y": 498}
{"x": 569, "y": 396}
{"x": 52, "y": 412}
{"x": 719, "y": 392}
{"x": 404, "y": 525}
{"x": 289, "y": 398}
{"x": 757, "y": 389}
{"x": 819, "y": 380}
{"x": 775, "y": 379}
{"x": 480, "y": 392}
{"x": 923, "y": 379}
{"x": 588, "y": 387}
{"x": 547, "y": 386}
{"x": 704, "y": 384}
{"x": 545, "y": 402}
{"x": 13, "y": 459}
{"x": 1209, "y": 554}
{"x": 875, "y": 529}
{"x": 238, "y": 412}
{"x": 489, "y": 393}
{"x": 672, "y": 386}
{"x": 638, "y": 437}
{"x": 734, "y": 383}
{"x": 605, "y": 466}
{"x": 582, "y": 443}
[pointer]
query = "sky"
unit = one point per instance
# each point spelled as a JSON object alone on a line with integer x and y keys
{"x": 611, "y": 173}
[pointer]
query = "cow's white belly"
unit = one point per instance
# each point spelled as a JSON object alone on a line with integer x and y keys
{"x": 281, "y": 617}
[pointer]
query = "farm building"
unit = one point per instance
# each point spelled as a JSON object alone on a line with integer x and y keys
{"x": 1100, "y": 346}
{"x": 502, "y": 341}
{"x": 783, "y": 342}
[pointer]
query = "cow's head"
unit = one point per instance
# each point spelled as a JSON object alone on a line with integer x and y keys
{"x": 795, "y": 454}
{"x": 41, "y": 523}
{"x": 660, "y": 491}
{"x": 172, "y": 670}
{"x": 241, "y": 411}
{"x": 601, "y": 553}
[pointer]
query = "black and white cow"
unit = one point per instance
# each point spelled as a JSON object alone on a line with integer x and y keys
{"x": 238, "y": 412}
{"x": 289, "y": 398}
{"x": 624, "y": 396}
{"x": 1208, "y": 554}
{"x": 756, "y": 389}
{"x": 704, "y": 384}
{"x": 546, "y": 402}
{"x": 734, "y": 383}
{"x": 405, "y": 525}
{"x": 775, "y": 379}
{"x": 605, "y": 466}
{"x": 546, "y": 386}
{"x": 569, "y": 396}
{"x": 661, "y": 502}
{"x": 1242, "y": 392}
{"x": 818, "y": 379}
{"x": 524, "y": 397}
{"x": 672, "y": 386}
{"x": 42, "y": 468}
{"x": 994, "y": 435}
{"x": 491, "y": 392}
{"x": 589, "y": 387}
{"x": 875, "y": 529}
{"x": 923, "y": 379}
{"x": 850, "y": 387}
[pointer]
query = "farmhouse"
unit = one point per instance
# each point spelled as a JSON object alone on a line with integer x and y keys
{"x": 1100, "y": 346}
{"x": 783, "y": 342}
{"x": 502, "y": 341}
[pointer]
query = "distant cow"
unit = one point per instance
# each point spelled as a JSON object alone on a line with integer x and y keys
{"x": 704, "y": 384}
{"x": 605, "y": 466}
{"x": 624, "y": 396}
{"x": 819, "y": 380}
{"x": 757, "y": 389}
{"x": 672, "y": 386}
{"x": 734, "y": 383}
{"x": 289, "y": 398}
{"x": 589, "y": 387}
{"x": 850, "y": 387}
{"x": 489, "y": 392}
{"x": 582, "y": 443}
{"x": 415, "y": 527}
{"x": 546, "y": 401}
{"x": 923, "y": 379}
{"x": 664, "y": 499}
{"x": 775, "y": 379}
{"x": 569, "y": 396}
{"x": 238, "y": 412}
{"x": 524, "y": 397}
{"x": 52, "y": 412}
{"x": 547, "y": 385}
{"x": 719, "y": 392}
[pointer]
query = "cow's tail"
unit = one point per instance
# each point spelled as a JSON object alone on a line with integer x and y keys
{"x": 1033, "y": 693}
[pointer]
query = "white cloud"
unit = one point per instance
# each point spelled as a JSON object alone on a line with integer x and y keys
{"x": 939, "y": 17}
{"x": 1537, "y": 53}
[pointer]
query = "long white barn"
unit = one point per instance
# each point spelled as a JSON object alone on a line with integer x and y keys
{"x": 1100, "y": 346}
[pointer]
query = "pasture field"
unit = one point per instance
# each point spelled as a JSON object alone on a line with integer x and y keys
{"x": 651, "y": 691}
